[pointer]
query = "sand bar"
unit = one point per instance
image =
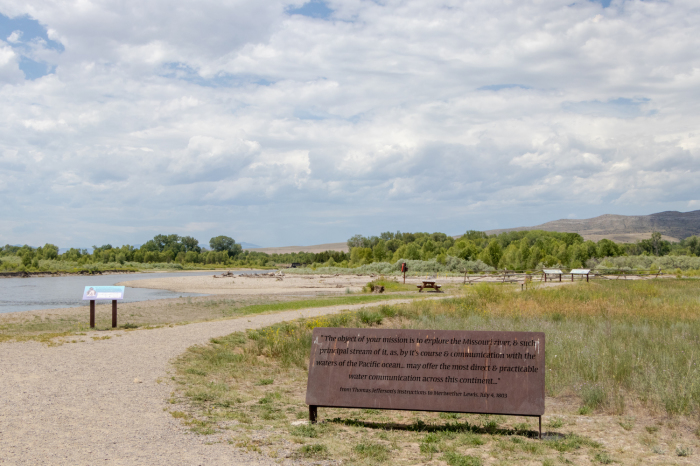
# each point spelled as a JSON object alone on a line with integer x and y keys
{"x": 251, "y": 284}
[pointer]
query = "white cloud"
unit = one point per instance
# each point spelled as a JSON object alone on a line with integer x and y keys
{"x": 9, "y": 69}
{"x": 14, "y": 37}
{"x": 238, "y": 118}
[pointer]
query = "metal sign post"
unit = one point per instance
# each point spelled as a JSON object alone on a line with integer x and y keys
{"x": 92, "y": 313}
{"x": 94, "y": 293}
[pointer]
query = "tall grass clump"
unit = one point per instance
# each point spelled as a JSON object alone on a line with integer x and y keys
{"x": 612, "y": 344}
{"x": 606, "y": 341}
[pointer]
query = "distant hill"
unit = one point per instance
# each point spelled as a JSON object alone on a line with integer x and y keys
{"x": 673, "y": 225}
{"x": 342, "y": 247}
{"x": 245, "y": 245}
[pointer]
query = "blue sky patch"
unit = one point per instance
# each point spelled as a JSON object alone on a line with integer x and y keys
{"x": 185, "y": 72}
{"x": 605, "y": 3}
{"x": 617, "y": 108}
{"x": 33, "y": 69}
{"x": 498, "y": 87}
{"x": 27, "y": 31}
{"x": 308, "y": 114}
{"x": 314, "y": 9}
{"x": 30, "y": 28}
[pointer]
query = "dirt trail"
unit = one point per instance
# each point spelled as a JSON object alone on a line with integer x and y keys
{"x": 104, "y": 401}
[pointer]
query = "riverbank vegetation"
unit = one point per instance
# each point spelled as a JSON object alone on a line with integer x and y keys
{"x": 424, "y": 252}
{"x": 621, "y": 358}
{"x": 523, "y": 250}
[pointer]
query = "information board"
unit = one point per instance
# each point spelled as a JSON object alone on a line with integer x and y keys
{"x": 428, "y": 370}
{"x": 103, "y": 292}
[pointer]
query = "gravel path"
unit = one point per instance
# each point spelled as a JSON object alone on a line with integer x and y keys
{"x": 103, "y": 401}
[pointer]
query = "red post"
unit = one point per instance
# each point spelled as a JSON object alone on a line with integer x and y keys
{"x": 92, "y": 313}
{"x": 114, "y": 313}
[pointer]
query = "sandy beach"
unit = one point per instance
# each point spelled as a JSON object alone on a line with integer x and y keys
{"x": 277, "y": 284}
{"x": 266, "y": 284}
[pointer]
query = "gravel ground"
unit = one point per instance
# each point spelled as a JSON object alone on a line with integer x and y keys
{"x": 103, "y": 401}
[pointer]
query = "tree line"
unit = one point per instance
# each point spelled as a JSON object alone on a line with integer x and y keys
{"x": 167, "y": 250}
{"x": 519, "y": 250}
{"x": 516, "y": 250}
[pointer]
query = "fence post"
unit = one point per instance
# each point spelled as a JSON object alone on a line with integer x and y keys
{"x": 92, "y": 313}
{"x": 114, "y": 313}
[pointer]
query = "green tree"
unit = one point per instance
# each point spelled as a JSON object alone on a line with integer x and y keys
{"x": 225, "y": 243}
{"x": 607, "y": 248}
{"x": 188, "y": 244}
{"x": 412, "y": 252}
{"x": 428, "y": 251}
{"x": 160, "y": 243}
{"x": 474, "y": 235}
{"x": 50, "y": 251}
{"x": 492, "y": 254}
{"x": 27, "y": 258}
{"x": 379, "y": 251}
{"x": 361, "y": 256}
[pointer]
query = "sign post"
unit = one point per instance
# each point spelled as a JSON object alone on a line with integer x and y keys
{"x": 94, "y": 293}
{"x": 404, "y": 268}
{"x": 427, "y": 370}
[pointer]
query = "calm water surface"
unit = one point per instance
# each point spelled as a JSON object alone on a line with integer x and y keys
{"x": 28, "y": 294}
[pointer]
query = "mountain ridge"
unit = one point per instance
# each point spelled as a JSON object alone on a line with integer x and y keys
{"x": 673, "y": 225}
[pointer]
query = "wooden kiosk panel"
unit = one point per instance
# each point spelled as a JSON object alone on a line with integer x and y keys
{"x": 427, "y": 370}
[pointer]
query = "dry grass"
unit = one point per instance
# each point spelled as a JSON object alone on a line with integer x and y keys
{"x": 622, "y": 381}
{"x": 47, "y": 325}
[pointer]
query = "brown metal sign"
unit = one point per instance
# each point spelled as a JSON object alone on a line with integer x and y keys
{"x": 427, "y": 370}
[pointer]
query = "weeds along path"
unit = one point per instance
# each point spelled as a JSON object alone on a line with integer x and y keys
{"x": 102, "y": 401}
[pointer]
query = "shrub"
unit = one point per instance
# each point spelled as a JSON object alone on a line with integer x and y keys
{"x": 313, "y": 450}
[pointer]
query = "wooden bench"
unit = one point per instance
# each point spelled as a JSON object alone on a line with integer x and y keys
{"x": 429, "y": 285}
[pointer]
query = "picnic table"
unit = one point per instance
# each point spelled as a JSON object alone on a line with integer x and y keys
{"x": 428, "y": 284}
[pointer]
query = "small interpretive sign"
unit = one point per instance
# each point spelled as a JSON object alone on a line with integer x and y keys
{"x": 103, "y": 292}
{"x": 427, "y": 370}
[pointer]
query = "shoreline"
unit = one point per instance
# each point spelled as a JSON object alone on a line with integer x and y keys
{"x": 114, "y": 272}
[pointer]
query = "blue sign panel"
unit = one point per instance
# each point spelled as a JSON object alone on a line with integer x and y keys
{"x": 103, "y": 292}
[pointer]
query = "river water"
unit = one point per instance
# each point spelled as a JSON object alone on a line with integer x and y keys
{"x": 29, "y": 294}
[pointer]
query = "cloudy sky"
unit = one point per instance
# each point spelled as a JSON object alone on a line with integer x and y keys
{"x": 281, "y": 122}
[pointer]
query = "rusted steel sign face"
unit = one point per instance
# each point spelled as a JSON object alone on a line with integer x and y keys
{"x": 428, "y": 370}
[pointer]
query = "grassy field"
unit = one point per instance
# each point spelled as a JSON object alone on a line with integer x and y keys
{"x": 51, "y": 326}
{"x": 621, "y": 356}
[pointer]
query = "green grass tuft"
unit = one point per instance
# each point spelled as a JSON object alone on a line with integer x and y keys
{"x": 374, "y": 451}
{"x": 313, "y": 451}
{"x": 455, "y": 459}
